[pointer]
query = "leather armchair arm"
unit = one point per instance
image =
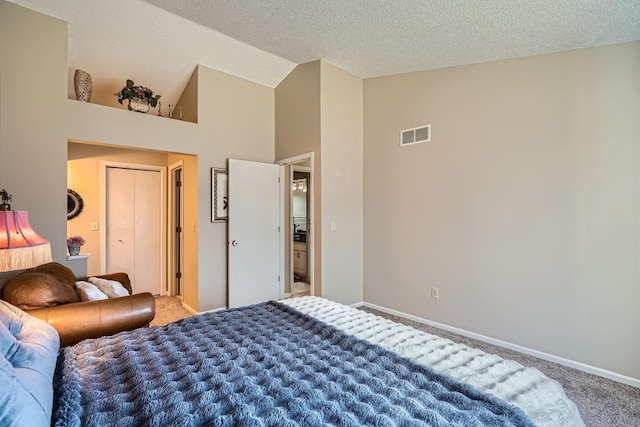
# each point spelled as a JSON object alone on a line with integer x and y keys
{"x": 77, "y": 321}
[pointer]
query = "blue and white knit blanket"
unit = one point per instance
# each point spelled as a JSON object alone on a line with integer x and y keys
{"x": 261, "y": 365}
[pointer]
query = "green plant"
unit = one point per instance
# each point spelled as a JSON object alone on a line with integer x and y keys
{"x": 130, "y": 91}
{"x": 6, "y": 198}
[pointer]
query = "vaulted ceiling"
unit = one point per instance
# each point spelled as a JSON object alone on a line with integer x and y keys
{"x": 158, "y": 43}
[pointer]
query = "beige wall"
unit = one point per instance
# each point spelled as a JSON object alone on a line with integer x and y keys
{"x": 523, "y": 209}
{"x": 319, "y": 110}
{"x": 297, "y": 131}
{"x": 33, "y": 78}
{"x": 190, "y": 217}
{"x": 188, "y": 101}
{"x": 34, "y": 68}
{"x": 342, "y": 169}
{"x": 190, "y": 194}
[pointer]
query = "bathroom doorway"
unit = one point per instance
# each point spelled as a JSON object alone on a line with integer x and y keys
{"x": 299, "y": 241}
{"x": 300, "y": 177}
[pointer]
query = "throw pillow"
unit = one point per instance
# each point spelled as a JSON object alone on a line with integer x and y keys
{"x": 112, "y": 288}
{"x": 28, "y": 352}
{"x": 58, "y": 271}
{"x": 89, "y": 292}
{"x": 31, "y": 290}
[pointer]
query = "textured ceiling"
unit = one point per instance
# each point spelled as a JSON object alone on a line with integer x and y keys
{"x": 372, "y": 38}
{"x": 159, "y": 42}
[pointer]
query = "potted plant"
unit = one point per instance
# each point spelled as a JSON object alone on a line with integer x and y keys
{"x": 6, "y": 198}
{"x": 140, "y": 97}
{"x": 74, "y": 243}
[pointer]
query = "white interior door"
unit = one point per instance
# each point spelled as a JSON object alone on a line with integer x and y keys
{"x": 134, "y": 226}
{"x": 120, "y": 221}
{"x": 148, "y": 229}
{"x": 254, "y": 232}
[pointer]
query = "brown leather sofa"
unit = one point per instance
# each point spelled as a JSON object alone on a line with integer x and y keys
{"x": 48, "y": 292}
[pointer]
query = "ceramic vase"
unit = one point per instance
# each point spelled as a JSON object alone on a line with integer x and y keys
{"x": 83, "y": 85}
{"x": 141, "y": 105}
{"x": 74, "y": 249}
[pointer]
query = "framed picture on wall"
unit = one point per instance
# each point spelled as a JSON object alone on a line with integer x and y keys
{"x": 219, "y": 198}
{"x": 74, "y": 204}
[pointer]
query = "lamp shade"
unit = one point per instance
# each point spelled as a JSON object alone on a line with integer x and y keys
{"x": 20, "y": 246}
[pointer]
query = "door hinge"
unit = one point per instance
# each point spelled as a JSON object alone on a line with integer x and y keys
{"x": 278, "y": 229}
{"x": 178, "y": 229}
{"x": 178, "y": 183}
{"x": 178, "y": 275}
{"x": 278, "y": 278}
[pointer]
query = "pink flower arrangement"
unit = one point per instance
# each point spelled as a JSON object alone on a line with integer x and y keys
{"x": 75, "y": 240}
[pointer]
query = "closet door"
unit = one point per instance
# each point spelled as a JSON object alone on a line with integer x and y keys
{"x": 120, "y": 221}
{"x": 133, "y": 221}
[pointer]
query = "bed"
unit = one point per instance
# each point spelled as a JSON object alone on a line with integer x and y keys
{"x": 303, "y": 361}
{"x": 541, "y": 398}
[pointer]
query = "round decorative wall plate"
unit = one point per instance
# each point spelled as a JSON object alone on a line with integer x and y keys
{"x": 74, "y": 204}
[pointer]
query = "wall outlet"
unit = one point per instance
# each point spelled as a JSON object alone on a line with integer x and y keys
{"x": 435, "y": 292}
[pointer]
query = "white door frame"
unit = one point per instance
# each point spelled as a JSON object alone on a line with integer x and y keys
{"x": 171, "y": 233}
{"x": 292, "y": 169}
{"x": 104, "y": 164}
{"x": 287, "y": 211}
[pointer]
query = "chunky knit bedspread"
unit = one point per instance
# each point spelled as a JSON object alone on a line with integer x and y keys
{"x": 540, "y": 397}
{"x": 262, "y": 365}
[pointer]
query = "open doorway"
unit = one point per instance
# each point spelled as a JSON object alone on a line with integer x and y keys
{"x": 299, "y": 227}
{"x": 299, "y": 180}
{"x": 84, "y": 177}
{"x": 176, "y": 230}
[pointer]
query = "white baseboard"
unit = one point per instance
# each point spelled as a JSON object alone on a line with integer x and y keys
{"x": 189, "y": 309}
{"x": 635, "y": 382}
{"x": 192, "y": 311}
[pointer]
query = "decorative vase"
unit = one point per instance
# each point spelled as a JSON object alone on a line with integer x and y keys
{"x": 141, "y": 105}
{"x": 83, "y": 85}
{"x": 74, "y": 250}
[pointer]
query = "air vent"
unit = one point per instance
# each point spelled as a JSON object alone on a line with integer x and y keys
{"x": 415, "y": 135}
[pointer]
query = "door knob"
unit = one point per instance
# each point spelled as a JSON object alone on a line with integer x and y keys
{"x": 234, "y": 243}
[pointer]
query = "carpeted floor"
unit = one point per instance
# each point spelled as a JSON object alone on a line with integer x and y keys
{"x": 169, "y": 309}
{"x": 301, "y": 289}
{"x": 602, "y": 402}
